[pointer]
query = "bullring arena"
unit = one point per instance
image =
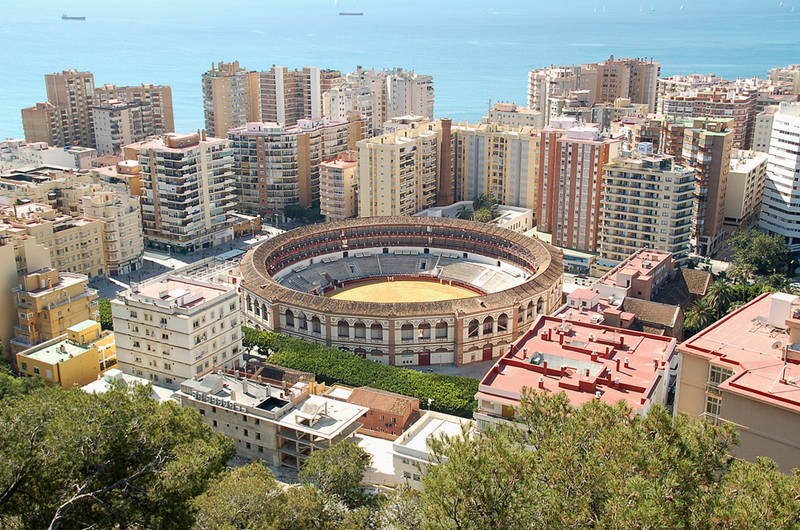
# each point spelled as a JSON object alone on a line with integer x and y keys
{"x": 402, "y": 290}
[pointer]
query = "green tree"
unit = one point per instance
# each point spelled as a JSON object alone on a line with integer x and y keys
{"x": 104, "y": 308}
{"x": 11, "y": 386}
{"x": 338, "y": 470}
{"x": 741, "y": 272}
{"x": 767, "y": 254}
{"x": 483, "y": 201}
{"x": 247, "y": 497}
{"x": 118, "y": 459}
{"x": 778, "y": 282}
{"x": 699, "y": 316}
{"x": 719, "y": 296}
{"x": 483, "y": 215}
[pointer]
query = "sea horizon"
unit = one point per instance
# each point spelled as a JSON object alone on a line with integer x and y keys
{"x": 477, "y": 52}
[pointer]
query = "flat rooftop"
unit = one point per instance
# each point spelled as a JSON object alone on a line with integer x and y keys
{"x": 587, "y": 361}
{"x": 177, "y": 291}
{"x": 104, "y": 383}
{"x": 337, "y": 416}
{"x": 640, "y": 264}
{"x": 55, "y": 353}
{"x": 429, "y": 426}
{"x": 82, "y": 326}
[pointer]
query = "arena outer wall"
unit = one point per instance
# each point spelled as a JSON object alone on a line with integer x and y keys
{"x": 459, "y": 331}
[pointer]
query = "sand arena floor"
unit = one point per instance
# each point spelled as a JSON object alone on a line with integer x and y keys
{"x": 398, "y": 291}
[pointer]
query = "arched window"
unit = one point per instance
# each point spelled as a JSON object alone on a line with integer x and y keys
{"x": 502, "y": 323}
{"x": 361, "y": 352}
{"x": 424, "y": 331}
{"x": 540, "y": 307}
{"x": 343, "y": 329}
{"x": 530, "y": 310}
{"x": 360, "y": 330}
{"x": 302, "y": 322}
{"x": 250, "y": 304}
{"x": 257, "y": 311}
{"x": 264, "y": 313}
{"x": 407, "y": 332}
{"x": 289, "y": 318}
{"x": 441, "y": 330}
{"x": 472, "y": 329}
{"x": 376, "y": 332}
{"x": 520, "y": 314}
{"x": 488, "y": 325}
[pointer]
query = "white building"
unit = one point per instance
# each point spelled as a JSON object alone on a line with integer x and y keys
{"x": 745, "y": 189}
{"x": 410, "y": 452}
{"x": 17, "y": 154}
{"x": 511, "y": 217}
{"x": 280, "y": 424}
{"x": 780, "y": 210}
{"x": 118, "y": 123}
{"x": 123, "y": 241}
{"x": 173, "y": 328}
{"x": 762, "y": 129}
{"x": 115, "y": 377}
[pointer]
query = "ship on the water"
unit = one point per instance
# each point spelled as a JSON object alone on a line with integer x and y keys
{"x": 67, "y": 17}
{"x": 351, "y": 14}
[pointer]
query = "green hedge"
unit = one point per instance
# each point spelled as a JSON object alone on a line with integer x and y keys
{"x": 450, "y": 394}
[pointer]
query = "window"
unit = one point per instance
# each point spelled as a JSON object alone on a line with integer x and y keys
{"x": 133, "y": 314}
{"x": 258, "y": 436}
{"x": 202, "y": 412}
{"x": 214, "y": 423}
{"x": 248, "y": 445}
{"x": 713, "y": 406}
{"x": 258, "y": 421}
{"x": 214, "y": 410}
{"x": 260, "y": 449}
{"x": 24, "y": 366}
{"x": 246, "y": 433}
{"x": 167, "y": 366}
{"x": 36, "y": 370}
{"x": 164, "y": 336}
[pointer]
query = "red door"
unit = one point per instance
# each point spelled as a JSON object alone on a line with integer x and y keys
{"x": 487, "y": 352}
{"x": 424, "y": 359}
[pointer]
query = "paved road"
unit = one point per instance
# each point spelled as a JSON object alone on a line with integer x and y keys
{"x": 474, "y": 371}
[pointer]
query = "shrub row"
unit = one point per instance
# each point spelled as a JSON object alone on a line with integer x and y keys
{"x": 449, "y": 394}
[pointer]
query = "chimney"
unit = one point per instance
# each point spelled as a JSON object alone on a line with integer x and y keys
{"x": 616, "y": 382}
{"x": 541, "y": 382}
{"x": 525, "y": 353}
{"x": 587, "y": 372}
{"x": 544, "y": 365}
{"x": 561, "y": 338}
{"x": 655, "y": 364}
{"x": 627, "y": 362}
{"x": 617, "y": 360}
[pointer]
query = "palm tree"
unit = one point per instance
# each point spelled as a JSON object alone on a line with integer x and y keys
{"x": 699, "y": 316}
{"x": 741, "y": 272}
{"x": 719, "y": 297}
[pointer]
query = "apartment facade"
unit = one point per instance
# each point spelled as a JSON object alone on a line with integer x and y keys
{"x": 291, "y": 95}
{"x": 720, "y": 103}
{"x": 338, "y": 187}
{"x": 123, "y": 240}
{"x": 787, "y": 78}
{"x": 118, "y": 123}
{"x": 75, "y": 242}
{"x": 398, "y": 174}
{"x": 49, "y": 302}
{"x": 188, "y": 191}
{"x": 66, "y": 118}
{"x": 780, "y": 211}
{"x": 762, "y": 129}
{"x": 278, "y": 166}
{"x": 270, "y": 420}
{"x": 380, "y": 96}
{"x": 601, "y": 82}
{"x": 742, "y": 370}
{"x": 745, "y": 190}
{"x": 511, "y": 115}
{"x": 19, "y": 154}
{"x": 230, "y": 97}
{"x": 568, "y": 199}
{"x": 647, "y": 202}
{"x": 172, "y": 328}
{"x": 157, "y": 99}
{"x": 494, "y": 160}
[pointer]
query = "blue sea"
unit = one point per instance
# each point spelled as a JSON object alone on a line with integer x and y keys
{"x": 477, "y": 51}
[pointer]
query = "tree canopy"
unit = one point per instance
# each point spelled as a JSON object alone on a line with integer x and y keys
{"x": 72, "y": 459}
{"x": 762, "y": 253}
{"x": 338, "y": 470}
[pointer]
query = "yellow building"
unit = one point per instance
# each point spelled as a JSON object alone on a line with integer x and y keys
{"x": 76, "y": 358}
{"x": 230, "y": 97}
{"x": 75, "y": 243}
{"x": 48, "y": 303}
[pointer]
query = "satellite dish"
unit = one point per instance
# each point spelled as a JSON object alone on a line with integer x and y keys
{"x": 777, "y": 344}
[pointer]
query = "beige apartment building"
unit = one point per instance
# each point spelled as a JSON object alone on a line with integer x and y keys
{"x": 291, "y": 95}
{"x": 601, "y": 82}
{"x": 762, "y": 128}
{"x": 279, "y": 423}
{"x": 338, "y": 187}
{"x": 490, "y": 159}
{"x": 277, "y": 166}
{"x": 718, "y": 103}
{"x": 66, "y": 118}
{"x": 75, "y": 243}
{"x": 745, "y": 190}
{"x": 158, "y": 98}
{"x": 647, "y": 203}
{"x": 568, "y": 198}
{"x": 230, "y": 97}
{"x": 174, "y": 327}
{"x": 47, "y": 303}
{"x": 123, "y": 242}
{"x": 787, "y": 78}
{"x": 187, "y": 191}
{"x": 126, "y": 173}
{"x": 380, "y": 96}
{"x": 398, "y": 174}
{"x": 743, "y": 370}
{"x": 117, "y": 123}
{"x": 511, "y": 115}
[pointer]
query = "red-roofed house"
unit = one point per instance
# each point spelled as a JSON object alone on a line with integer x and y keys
{"x": 586, "y": 361}
{"x": 745, "y": 370}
